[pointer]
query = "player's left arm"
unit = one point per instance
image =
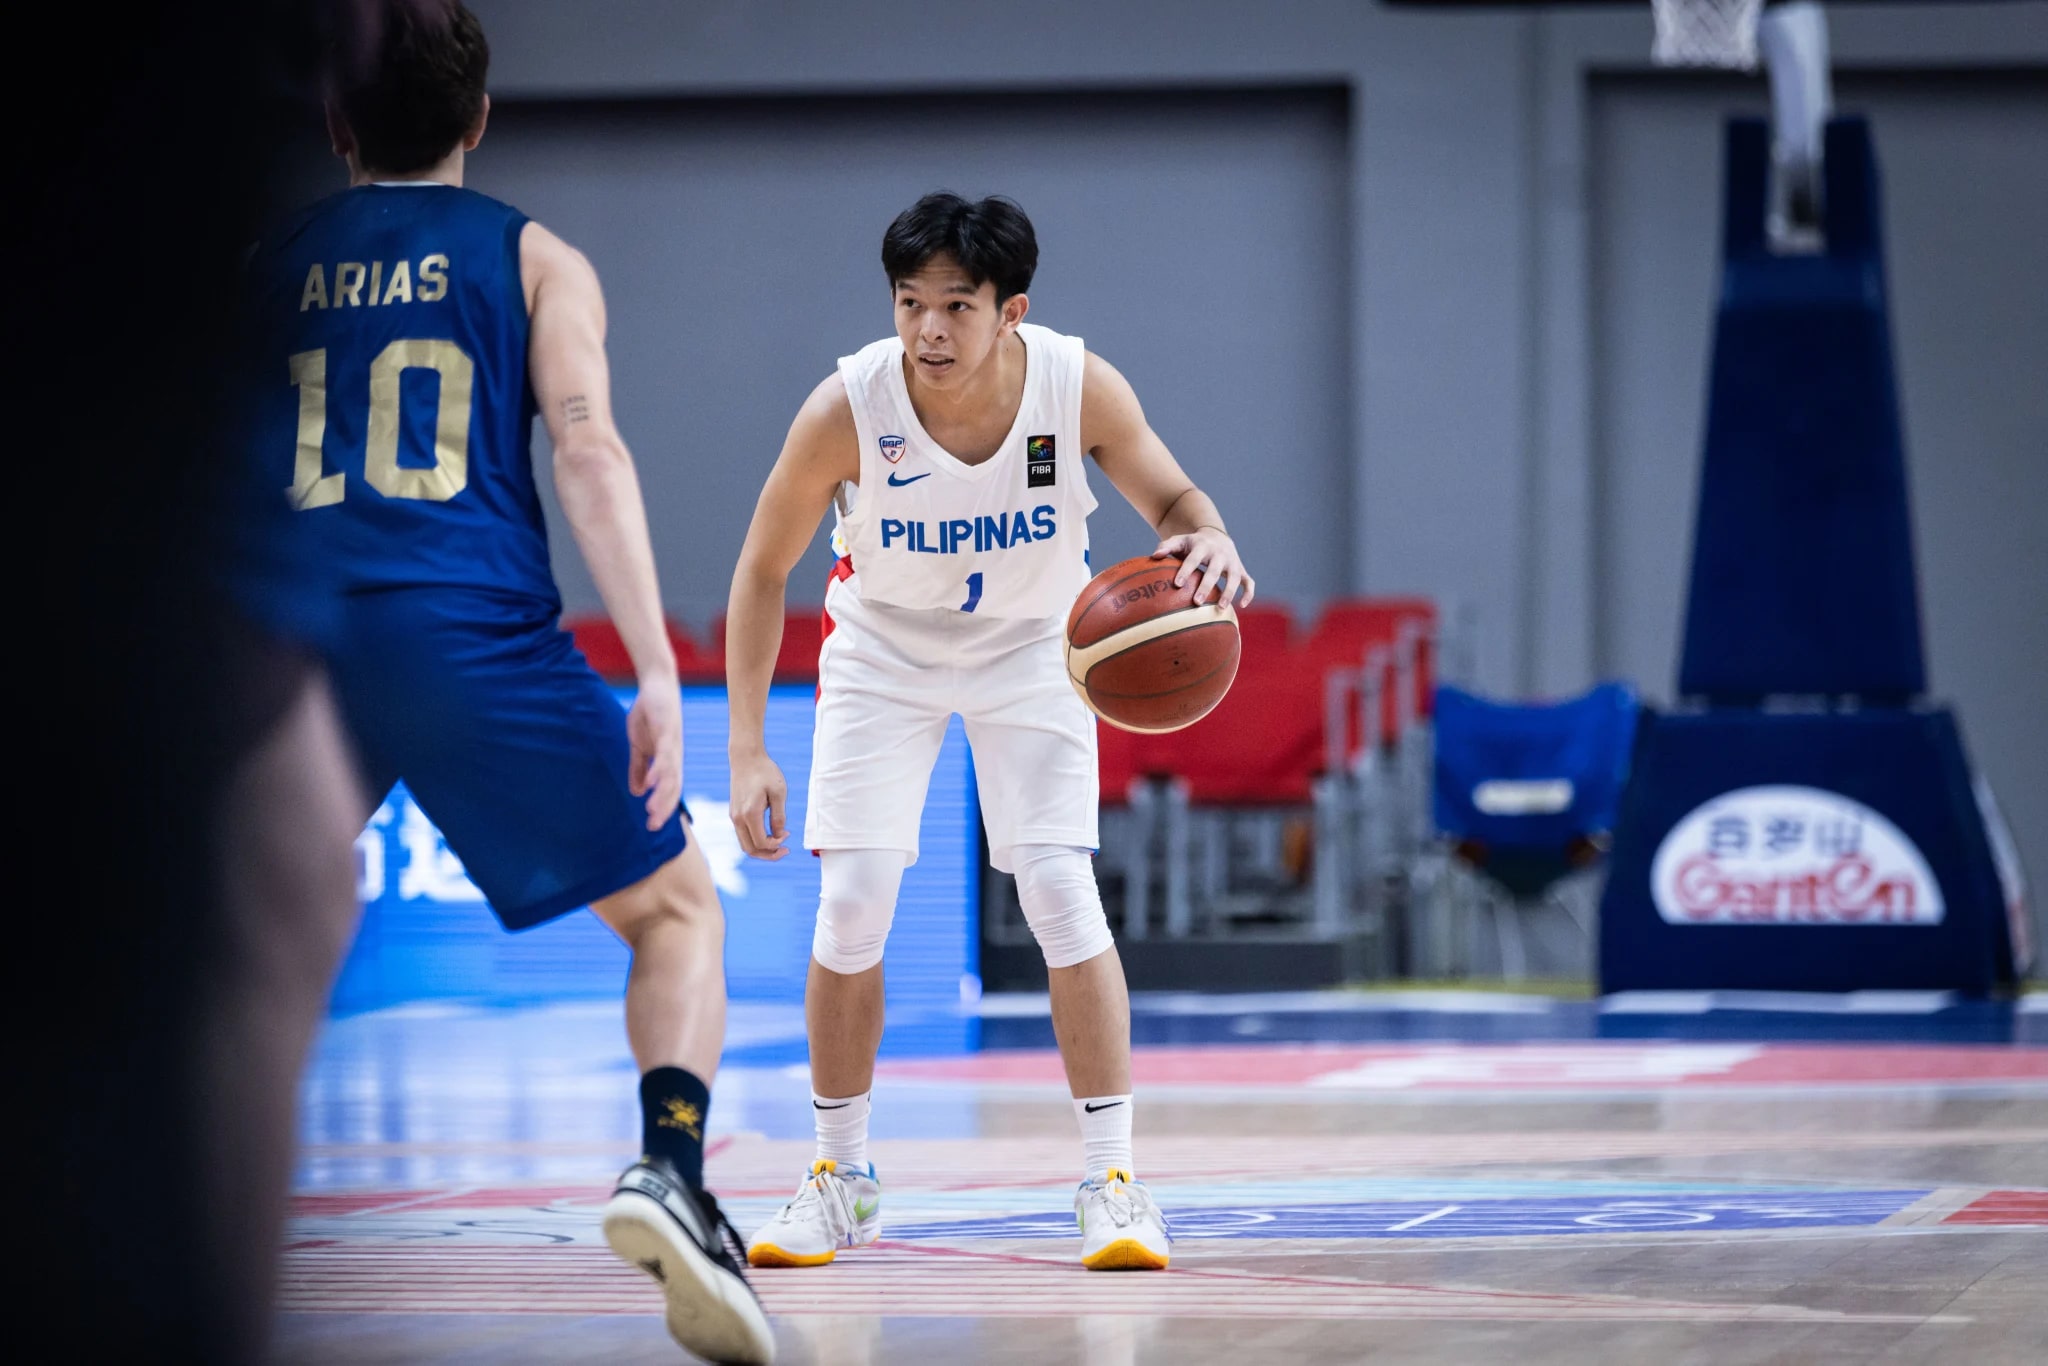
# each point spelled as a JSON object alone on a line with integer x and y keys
{"x": 1115, "y": 432}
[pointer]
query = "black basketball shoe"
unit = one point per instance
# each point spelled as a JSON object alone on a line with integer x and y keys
{"x": 680, "y": 1237}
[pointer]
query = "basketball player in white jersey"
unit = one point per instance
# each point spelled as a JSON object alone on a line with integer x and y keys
{"x": 955, "y": 452}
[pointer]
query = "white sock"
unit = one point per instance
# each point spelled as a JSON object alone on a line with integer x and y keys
{"x": 842, "y": 1129}
{"x": 1105, "y": 1133}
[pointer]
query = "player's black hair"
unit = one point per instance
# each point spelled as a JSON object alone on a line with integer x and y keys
{"x": 990, "y": 238}
{"x": 421, "y": 90}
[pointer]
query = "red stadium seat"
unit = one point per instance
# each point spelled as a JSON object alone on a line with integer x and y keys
{"x": 1261, "y": 746}
{"x": 694, "y": 663}
{"x": 599, "y": 641}
{"x": 1264, "y": 744}
{"x": 803, "y": 636}
{"x": 1348, "y": 628}
{"x": 1267, "y": 631}
{"x": 1119, "y": 762}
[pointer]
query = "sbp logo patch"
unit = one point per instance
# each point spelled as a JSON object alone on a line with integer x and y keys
{"x": 892, "y": 448}
{"x": 1038, "y": 462}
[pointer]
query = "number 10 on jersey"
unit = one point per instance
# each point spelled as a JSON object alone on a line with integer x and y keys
{"x": 446, "y": 477}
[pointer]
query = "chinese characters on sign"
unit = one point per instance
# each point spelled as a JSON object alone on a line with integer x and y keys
{"x": 1795, "y": 856}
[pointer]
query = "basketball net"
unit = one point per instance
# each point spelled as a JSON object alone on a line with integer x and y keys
{"x": 1706, "y": 33}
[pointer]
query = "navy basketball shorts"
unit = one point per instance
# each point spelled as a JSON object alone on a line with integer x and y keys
{"x": 509, "y": 742}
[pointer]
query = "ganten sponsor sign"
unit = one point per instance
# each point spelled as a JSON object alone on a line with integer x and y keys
{"x": 1791, "y": 856}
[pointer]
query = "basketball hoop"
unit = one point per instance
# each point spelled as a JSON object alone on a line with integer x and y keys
{"x": 1791, "y": 43}
{"x": 1706, "y": 33}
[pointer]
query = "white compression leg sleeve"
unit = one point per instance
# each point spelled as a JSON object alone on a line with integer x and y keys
{"x": 1062, "y": 904}
{"x": 856, "y": 902}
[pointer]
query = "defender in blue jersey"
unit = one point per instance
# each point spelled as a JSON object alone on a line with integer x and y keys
{"x": 411, "y": 331}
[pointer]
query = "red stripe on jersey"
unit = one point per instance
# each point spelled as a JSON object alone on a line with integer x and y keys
{"x": 842, "y": 568}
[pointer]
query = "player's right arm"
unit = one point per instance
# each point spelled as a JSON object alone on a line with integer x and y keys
{"x": 821, "y": 452}
{"x": 600, "y": 493}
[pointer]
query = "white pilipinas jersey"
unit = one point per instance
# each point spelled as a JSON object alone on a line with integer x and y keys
{"x": 1005, "y": 538}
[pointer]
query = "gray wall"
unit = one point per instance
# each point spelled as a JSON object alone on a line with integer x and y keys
{"x": 739, "y": 242}
{"x": 1461, "y": 315}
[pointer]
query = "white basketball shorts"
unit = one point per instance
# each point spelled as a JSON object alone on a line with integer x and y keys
{"x": 889, "y": 679}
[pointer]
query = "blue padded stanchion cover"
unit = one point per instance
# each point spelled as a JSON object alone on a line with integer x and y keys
{"x": 1802, "y": 577}
{"x": 1761, "y": 820}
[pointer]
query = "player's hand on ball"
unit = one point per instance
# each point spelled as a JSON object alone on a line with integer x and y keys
{"x": 1211, "y": 556}
{"x": 760, "y": 795}
{"x": 655, "y": 729}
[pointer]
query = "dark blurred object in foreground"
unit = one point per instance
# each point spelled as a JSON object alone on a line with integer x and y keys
{"x": 190, "y": 881}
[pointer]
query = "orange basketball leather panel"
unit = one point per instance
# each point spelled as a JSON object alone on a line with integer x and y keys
{"x": 1130, "y": 591}
{"x": 1171, "y": 680}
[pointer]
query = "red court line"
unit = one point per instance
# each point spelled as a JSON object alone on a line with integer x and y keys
{"x": 1238, "y": 1277}
{"x": 2004, "y": 1207}
{"x": 938, "y": 1283}
{"x": 1519, "y": 1067}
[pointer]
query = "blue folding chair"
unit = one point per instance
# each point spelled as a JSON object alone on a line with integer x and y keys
{"x": 1526, "y": 794}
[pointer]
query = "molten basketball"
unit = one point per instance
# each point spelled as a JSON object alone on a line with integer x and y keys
{"x": 1142, "y": 654}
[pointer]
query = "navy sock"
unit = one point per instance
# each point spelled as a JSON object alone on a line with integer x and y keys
{"x": 673, "y": 1104}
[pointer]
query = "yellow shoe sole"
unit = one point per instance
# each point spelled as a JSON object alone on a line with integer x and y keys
{"x": 767, "y": 1254}
{"x": 1126, "y": 1254}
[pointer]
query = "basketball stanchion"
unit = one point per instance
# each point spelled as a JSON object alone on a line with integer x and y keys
{"x": 1808, "y": 822}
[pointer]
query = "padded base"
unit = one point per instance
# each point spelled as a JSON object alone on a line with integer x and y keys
{"x": 1907, "y": 766}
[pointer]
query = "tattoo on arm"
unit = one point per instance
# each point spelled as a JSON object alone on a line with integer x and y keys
{"x": 575, "y": 408}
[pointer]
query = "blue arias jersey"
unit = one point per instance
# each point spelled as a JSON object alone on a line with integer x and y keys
{"x": 392, "y": 413}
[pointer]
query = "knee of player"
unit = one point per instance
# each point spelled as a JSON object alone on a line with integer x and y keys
{"x": 856, "y": 904}
{"x": 676, "y": 899}
{"x": 1062, "y": 904}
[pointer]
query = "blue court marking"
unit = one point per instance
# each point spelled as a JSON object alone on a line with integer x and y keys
{"x": 1564, "y": 1021}
{"x": 1476, "y": 1219}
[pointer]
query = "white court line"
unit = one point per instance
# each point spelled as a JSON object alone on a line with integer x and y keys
{"x": 1183, "y": 1251}
{"x": 1416, "y": 1223}
{"x": 1782, "y": 1002}
{"x": 1023, "y": 1005}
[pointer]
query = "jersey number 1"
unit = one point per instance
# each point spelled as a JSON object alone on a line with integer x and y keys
{"x": 437, "y": 483}
{"x": 973, "y": 593}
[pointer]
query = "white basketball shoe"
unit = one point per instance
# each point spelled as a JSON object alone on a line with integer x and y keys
{"x": 835, "y": 1207}
{"x": 1121, "y": 1229}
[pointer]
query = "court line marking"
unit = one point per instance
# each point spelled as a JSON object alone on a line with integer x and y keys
{"x": 1419, "y": 1222}
{"x": 1401, "y": 1247}
{"x": 926, "y": 1282}
{"x": 1778, "y": 1002}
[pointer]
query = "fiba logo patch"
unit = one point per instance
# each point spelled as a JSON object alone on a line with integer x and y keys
{"x": 1039, "y": 469}
{"x": 892, "y": 448}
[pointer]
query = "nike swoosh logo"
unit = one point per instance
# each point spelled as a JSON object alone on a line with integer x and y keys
{"x": 1091, "y": 1109}
{"x": 862, "y": 1209}
{"x": 840, "y": 1106}
{"x": 896, "y": 483}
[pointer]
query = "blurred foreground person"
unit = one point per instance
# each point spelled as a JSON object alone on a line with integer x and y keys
{"x": 191, "y": 883}
{"x": 406, "y": 331}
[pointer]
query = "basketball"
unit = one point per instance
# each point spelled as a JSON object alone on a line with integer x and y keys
{"x": 1143, "y": 654}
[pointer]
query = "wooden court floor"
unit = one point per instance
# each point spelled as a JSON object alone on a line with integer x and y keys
{"x": 1343, "y": 1187}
